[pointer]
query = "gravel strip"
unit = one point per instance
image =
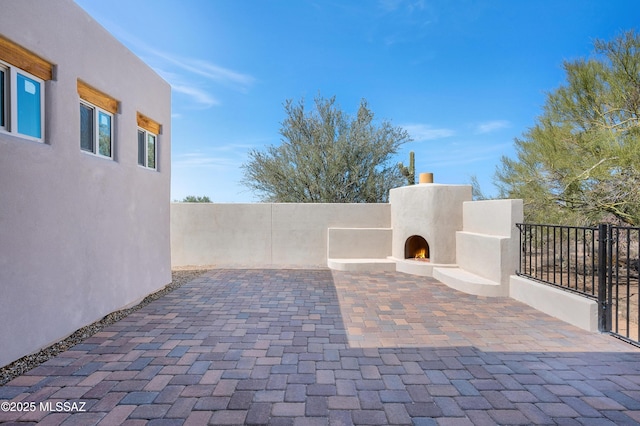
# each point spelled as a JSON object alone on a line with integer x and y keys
{"x": 26, "y": 363}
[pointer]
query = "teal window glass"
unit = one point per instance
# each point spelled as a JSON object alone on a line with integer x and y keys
{"x": 29, "y": 107}
{"x": 104, "y": 132}
{"x": 86, "y": 128}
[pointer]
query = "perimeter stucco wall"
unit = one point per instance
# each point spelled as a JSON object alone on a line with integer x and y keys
{"x": 80, "y": 236}
{"x": 569, "y": 307}
{"x": 255, "y": 235}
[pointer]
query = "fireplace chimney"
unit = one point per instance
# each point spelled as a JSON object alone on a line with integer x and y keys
{"x": 426, "y": 178}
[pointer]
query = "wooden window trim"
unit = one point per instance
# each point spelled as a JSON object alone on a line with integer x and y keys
{"x": 148, "y": 124}
{"x": 97, "y": 98}
{"x": 22, "y": 58}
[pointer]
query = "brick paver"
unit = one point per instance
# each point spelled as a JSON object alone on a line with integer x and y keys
{"x": 307, "y": 347}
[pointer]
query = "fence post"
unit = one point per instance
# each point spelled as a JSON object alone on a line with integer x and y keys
{"x": 520, "y": 248}
{"x": 603, "y": 235}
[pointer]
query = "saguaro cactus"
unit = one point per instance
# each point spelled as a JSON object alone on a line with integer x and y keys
{"x": 409, "y": 172}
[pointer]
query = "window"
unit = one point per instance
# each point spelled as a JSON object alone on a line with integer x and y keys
{"x": 21, "y": 103}
{"x": 87, "y": 127}
{"x": 22, "y": 77}
{"x": 3, "y": 72}
{"x": 147, "y": 142}
{"x": 96, "y": 120}
{"x": 146, "y": 149}
{"x": 29, "y": 100}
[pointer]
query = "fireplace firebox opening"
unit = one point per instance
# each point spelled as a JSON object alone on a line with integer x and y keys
{"x": 416, "y": 247}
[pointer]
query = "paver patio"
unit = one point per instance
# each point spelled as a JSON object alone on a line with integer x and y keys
{"x": 319, "y": 347}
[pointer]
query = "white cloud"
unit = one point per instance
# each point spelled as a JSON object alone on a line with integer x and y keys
{"x": 208, "y": 70}
{"x": 491, "y": 126}
{"x": 238, "y": 147}
{"x": 195, "y": 92}
{"x": 425, "y": 132}
{"x": 187, "y": 75}
{"x": 198, "y": 159}
{"x": 199, "y": 96}
{"x": 217, "y": 73}
{"x": 227, "y": 155}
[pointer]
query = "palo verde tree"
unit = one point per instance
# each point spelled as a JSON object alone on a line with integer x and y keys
{"x": 580, "y": 162}
{"x": 327, "y": 156}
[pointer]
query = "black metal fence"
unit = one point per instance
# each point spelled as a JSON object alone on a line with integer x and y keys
{"x": 601, "y": 263}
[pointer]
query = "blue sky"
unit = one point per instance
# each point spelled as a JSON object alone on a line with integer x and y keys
{"x": 463, "y": 77}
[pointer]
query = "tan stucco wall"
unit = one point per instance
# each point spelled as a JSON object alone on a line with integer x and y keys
{"x": 569, "y": 307}
{"x": 488, "y": 244}
{"x": 80, "y": 236}
{"x": 359, "y": 243}
{"x": 263, "y": 234}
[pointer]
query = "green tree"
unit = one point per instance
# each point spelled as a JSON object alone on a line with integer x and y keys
{"x": 196, "y": 199}
{"x": 580, "y": 162}
{"x": 327, "y": 156}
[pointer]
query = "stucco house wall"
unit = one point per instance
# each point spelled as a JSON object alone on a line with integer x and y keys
{"x": 80, "y": 236}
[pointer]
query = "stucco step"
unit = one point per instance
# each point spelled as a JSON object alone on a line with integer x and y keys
{"x": 362, "y": 265}
{"x": 416, "y": 267}
{"x": 468, "y": 282}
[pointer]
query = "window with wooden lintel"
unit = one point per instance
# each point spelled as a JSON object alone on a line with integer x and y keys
{"x": 97, "y": 111}
{"x": 22, "y": 91}
{"x": 148, "y": 131}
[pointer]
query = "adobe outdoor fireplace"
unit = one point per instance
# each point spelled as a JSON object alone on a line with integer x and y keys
{"x": 416, "y": 247}
{"x": 425, "y": 219}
